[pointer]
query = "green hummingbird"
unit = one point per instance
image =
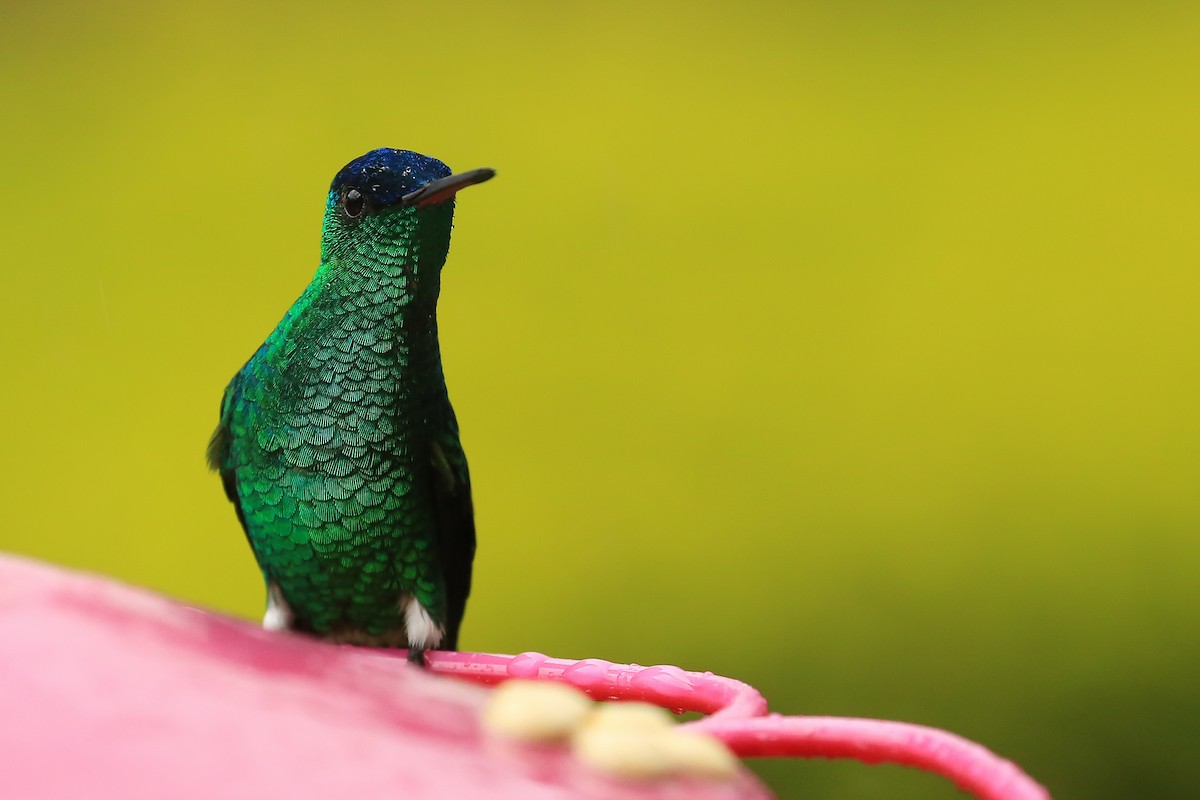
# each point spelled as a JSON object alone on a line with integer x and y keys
{"x": 337, "y": 444}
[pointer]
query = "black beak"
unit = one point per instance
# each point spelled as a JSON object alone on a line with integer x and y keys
{"x": 444, "y": 188}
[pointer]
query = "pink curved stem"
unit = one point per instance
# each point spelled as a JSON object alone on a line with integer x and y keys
{"x": 972, "y": 767}
{"x": 667, "y": 686}
{"x": 737, "y": 717}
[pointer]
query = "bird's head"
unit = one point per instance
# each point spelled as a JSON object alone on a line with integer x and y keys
{"x": 393, "y": 201}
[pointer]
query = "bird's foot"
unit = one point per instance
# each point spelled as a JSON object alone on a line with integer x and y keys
{"x": 416, "y": 655}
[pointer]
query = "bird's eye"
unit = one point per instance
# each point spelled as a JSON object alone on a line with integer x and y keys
{"x": 353, "y": 203}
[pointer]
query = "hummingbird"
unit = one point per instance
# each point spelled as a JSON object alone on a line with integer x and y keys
{"x": 337, "y": 443}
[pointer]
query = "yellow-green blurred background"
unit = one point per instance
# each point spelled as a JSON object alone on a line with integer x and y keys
{"x": 846, "y": 348}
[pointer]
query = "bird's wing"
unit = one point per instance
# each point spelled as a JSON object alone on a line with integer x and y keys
{"x": 219, "y": 451}
{"x": 455, "y": 522}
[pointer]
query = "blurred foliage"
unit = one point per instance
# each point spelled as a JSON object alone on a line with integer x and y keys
{"x": 845, "y": 348}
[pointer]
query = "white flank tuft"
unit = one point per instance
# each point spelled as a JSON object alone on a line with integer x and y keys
{"x": 279, "y": 614}
{"x": 421, "y": 630}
